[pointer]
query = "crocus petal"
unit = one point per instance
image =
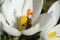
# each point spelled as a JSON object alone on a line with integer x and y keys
{"x": 55, "y": 9}
{"x": 37, "y": 7}
{"x": 32, "y": 30}
{"x": 28, "y": 5}
{"x": 18, "y": 6}
{"x": 10, "y": 30}
{"x": 55, "y": 29}
{"x": 1, "y": 18}
{"x": 44, "y": 20}
{"x": 49, "y": 25}
{"x": 52, "y": 22}
{"x": 7, "y": 11}
{"x": 55, "y": 39}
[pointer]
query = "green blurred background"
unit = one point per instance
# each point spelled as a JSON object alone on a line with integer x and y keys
{"x": 47, "y": 4}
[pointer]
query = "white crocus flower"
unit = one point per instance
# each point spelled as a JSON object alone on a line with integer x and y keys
{"x": 12, "y": 10}
{"x": 52, "y": 32}
{"x": 39, "y": 22}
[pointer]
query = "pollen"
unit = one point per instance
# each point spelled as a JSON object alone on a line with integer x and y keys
{"x": 23, "y": 20}
{"x": 52, "y": 34}
{"x": 57, "y": 36}
{"x": 29, "y": 12}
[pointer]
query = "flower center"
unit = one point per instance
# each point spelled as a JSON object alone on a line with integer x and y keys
{"x": 25, "y": 21}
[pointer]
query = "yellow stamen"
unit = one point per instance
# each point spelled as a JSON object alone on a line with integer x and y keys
{"x": 52, "y": 34}
{"x": 57, "y": 36}
{"x": 23, "y": 22}
{"x": 24, "y": 19}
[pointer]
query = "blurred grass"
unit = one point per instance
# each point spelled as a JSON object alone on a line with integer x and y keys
{"x": 47, "y": 4}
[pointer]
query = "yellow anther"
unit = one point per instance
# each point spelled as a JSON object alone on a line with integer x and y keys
{"x": 57, "y": 36}
{"x": 23, "y": 22}
{"x": 52, "y": 34}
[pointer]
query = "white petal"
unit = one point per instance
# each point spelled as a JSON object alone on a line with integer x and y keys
{"x": 57, "y": 29}
{"x": 44, "y": 20}
{"x": 45, "y": 35}
{"x": 32, "y": 30}
{"x": 1, "y": 18}
{"x": 10, "y": 30}
{"x": 37, "y": 7}
{"x": 28, "y": 5}
{"x": 8, "y": 12}
{"x": 18, "y": 6}
{"x": 55, "y": 39}
{"x": 49, "y": 25}
{"x": 52, "y": 22}
{"x": 55, "y": 9}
